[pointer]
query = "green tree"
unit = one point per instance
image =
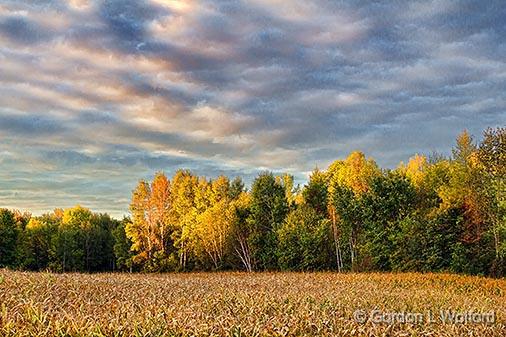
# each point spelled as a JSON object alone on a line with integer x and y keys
{"x": 267, "y": 212}
{"x": 348, "y": 180}
{"x": 69, "y": 242}
{"x": 463, "y": 194}
{"x": 291, "y": 191}
{"x": 122, "y": 246}
{"x": 428, "y": 243}
{"x": 8, "y": 238}
{"x": 315, "y": 193}
{"x": 492, "y": 161}
{"x": 37, "y": 242}
{"x": 236, "y": 188}
{"x": 305, "y": 241}
{"x": 241, "y": 230}
{"x": 99, "y": 243}
{"x": 390, "y": 198}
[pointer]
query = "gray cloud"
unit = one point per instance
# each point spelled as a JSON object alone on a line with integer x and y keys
{"x": 28, "y": 125}
{"x": 95, "y": 95}
{"x": 21, "y": 30}
{"x": 126, "y": 20}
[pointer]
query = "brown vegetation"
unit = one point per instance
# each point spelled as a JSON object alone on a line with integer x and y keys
{"x": 249, "y": 304}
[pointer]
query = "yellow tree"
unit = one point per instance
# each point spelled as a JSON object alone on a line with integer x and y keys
{"x": 241, "y": 230}
{"x": 159, "y": 211}
{"x": 220, "y": 189}
{"x": 292, "y": 192}
{"x": 214, "y": 221}
{"x": 183, "y": 212}
{"x": 189, "y": 222}
{"x": 138, "y": 230}
{"x": 213, "y": 230}
{"x": 150, "y": 208}
{"x": 73, "y": 246}
{"x": 462, "y": 190}
{"x": 353, "y": 174}
{"x": 415, "y": 170}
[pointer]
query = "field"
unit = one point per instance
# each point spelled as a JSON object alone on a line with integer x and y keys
{"x": 240, "y": 304}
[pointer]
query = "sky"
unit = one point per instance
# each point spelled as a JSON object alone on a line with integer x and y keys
{"x": 95, "y": 95}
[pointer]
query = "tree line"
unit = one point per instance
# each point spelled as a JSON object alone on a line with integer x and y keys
{"x": 433, "y": 213}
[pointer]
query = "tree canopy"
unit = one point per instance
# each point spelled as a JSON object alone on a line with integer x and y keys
{"x": 434, "y": 213}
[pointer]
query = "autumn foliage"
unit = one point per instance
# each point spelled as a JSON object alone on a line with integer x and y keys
{"x": 433, "y": 213}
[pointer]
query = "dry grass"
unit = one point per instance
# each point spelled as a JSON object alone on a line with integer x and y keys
{"x": 219, "y": 304}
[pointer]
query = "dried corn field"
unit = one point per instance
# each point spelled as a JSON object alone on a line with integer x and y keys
{"x": 235, "y": 304}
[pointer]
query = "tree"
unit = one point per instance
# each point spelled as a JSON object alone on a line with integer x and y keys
{"x": 8, "y": 237}
{"x": 122, "y": 246}
{"x": 348, "y": 180}
{"x": 428, "y": 244}
{"x": 390, "y": 198}
{"x": 415, "y": 170}
{"x": 72, "y": 241}
{"x": 291, "y": 192}
{"x": 464, "y": 148}
{"x": 355, "y": 172}
{"x": 188, "y": 195}
{"x": 462, "y": 189}
{"x": 150, "y": 229}
{"x": 99, "y": 243}
{"x": 241, "y": 230}
{"x": 159, "y": 207}
{"x": 236, "y": 188}
{"x": 213, "y": 231}
{"x": 268, "y": 210}
{"x": 346, "y": 218}
{"x": 138, "y": 230}
{"x": 37, "y": 242}
{"x": 316, "y": 191}
{"x": 491, "y": 158}
{"x": 463, "y": 197}
{"x": 211, "y": 234}
{"x": 304, "y": 241}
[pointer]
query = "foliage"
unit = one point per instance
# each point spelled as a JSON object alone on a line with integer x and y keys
{"x": 8, "y": 237}
{"x": 304, "y": 241}
{"x": 315, "y": 193}
{"x": 267, "y": 211}
{"x": 390, "y": 199}
{"x": 122, "y": 246}
{"x": 432, "y": 214}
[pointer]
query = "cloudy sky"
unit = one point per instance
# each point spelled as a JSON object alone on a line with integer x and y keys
{"x": 95, "y": 95}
